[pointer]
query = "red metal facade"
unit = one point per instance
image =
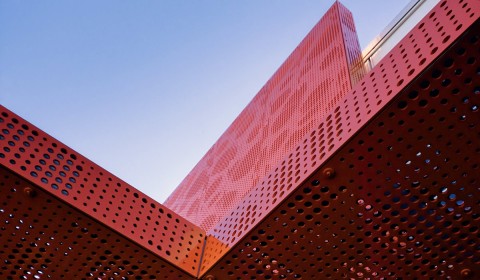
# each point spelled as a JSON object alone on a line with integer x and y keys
{"x": 42, "y": 237}
{"x": 303, "y": 90}
{"x": 385, "y": 184}
{"x": 105, "y": 209}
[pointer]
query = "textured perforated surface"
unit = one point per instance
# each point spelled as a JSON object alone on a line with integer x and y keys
{"x": 403, "y": 200}
{"x": 43, "y": 238}
{"x": 384, "y": 186}
{"x": 77, "y": 181}
{"x": 318, "y": 72}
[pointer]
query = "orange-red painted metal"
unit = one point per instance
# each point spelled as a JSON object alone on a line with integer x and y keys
{"x": 43, "y": 237}
{"x": 387, "y": 185}
{"x": 384, "y": 183}
{"x": 76, "y": 181}
{"x": 303, "y": 90}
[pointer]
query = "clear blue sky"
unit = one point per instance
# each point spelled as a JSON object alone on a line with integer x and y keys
{"x": 144, "y": 88}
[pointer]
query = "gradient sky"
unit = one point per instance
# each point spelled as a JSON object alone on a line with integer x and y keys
{"x": 145, "y": 88}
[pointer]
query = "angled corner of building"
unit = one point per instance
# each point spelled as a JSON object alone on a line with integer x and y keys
{"x": 340, "y": 167}
{"x": 306, "y": 87}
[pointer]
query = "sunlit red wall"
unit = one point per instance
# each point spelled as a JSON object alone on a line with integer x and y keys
{"x": 319, "y": 72}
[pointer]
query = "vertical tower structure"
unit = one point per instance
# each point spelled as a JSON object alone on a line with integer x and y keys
{"x": 319, "y": 72}
{"x": 384, "y": 186}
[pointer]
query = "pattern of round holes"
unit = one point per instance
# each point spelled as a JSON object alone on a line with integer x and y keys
{"x": 275, "y": 121}
{"x": 43, "y": 238}
{"x": 404, "y": 203}
{"x": 447, "y": 112}
{"x": 76, "y": 180}
{"x": 366, "y": 99}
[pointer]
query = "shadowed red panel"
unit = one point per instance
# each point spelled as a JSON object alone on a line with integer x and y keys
{"x": 44, "y": 238}
{"x": 386, "y": 185}
{"x": 381, "y": 182}
{"x": 78, "y": 182}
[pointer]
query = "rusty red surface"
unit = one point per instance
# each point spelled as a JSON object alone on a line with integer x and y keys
{"x": 74, "y": 180}
{"x": 387, "y": 185}
{"x": 42, "y": 237}
{"x": 319, "y": 71}
{"x": 382, "y": 184}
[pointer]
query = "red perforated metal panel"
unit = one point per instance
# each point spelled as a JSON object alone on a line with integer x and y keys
{"x": 41, "y": 237}
{"x": 303, "y": 90}
{"x": 386, "y": 186}
{"x": 352, "y": 47}
{"x": 384, "y": 183}
{"x": 112, "y": 203}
